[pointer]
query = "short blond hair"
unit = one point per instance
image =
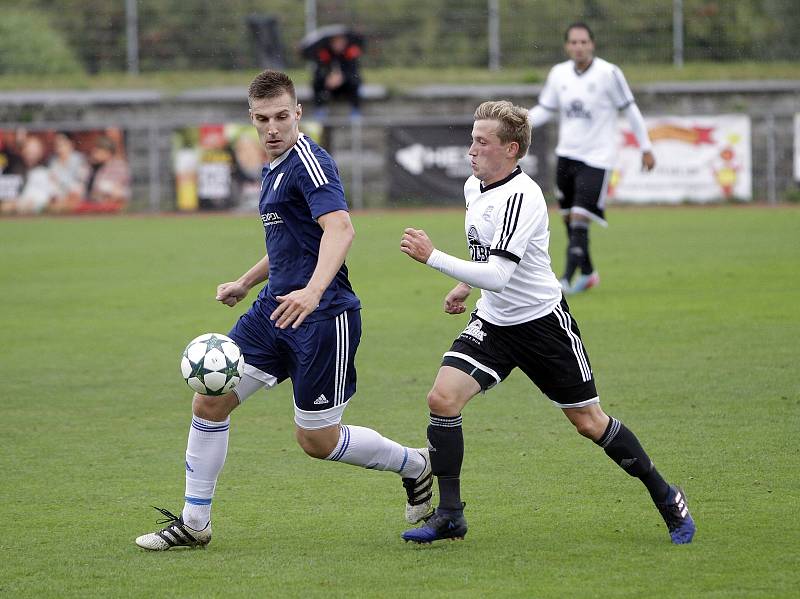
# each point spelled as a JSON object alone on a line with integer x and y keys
{"x": 513, "y": 120}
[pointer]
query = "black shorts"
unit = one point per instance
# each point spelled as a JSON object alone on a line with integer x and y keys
{"x": 548, "y": 350}
{"x": 583, "y": 188}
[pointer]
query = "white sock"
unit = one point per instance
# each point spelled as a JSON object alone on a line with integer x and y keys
{"x": 205, "y": 455}
{"x": 367, "y": 448}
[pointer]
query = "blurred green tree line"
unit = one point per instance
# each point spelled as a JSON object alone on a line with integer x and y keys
{"x": 46, "y": 36}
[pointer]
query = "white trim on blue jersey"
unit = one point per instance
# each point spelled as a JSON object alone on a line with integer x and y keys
{"x": 314, "y": 168}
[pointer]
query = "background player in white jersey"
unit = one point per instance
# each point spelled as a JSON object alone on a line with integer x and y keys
{"x": 587, "y": 93}
{"x": 305, "y": 325}
{"x": 521, "y": 320}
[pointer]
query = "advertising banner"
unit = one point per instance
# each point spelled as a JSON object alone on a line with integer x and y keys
{"x": 428, "y": 164}
{"x": 218, "y": 167}
{"x": 56, "y": 172}
{"x": 698, "y": 159}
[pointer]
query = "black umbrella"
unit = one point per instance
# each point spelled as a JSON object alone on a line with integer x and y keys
{"x": 320, "y": 38}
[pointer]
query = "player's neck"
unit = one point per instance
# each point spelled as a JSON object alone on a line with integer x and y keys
{"x": 498, "y": 177}
{"x": 582, "y": 66}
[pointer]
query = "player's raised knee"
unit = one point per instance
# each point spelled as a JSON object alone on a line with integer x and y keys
{"x": 213, "y": 408}
{"x": 589, "y": 426}
{"x": 319, "y": 443}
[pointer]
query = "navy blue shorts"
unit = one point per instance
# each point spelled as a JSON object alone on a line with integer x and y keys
{"x": 319, "y": 357}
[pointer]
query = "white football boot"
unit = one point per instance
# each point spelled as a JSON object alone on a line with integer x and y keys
{"x": 175, "y": 534}
{"x": 420, "y": 491}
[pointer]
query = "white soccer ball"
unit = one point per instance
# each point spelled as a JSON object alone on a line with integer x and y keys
{"x": 212, "y": 364}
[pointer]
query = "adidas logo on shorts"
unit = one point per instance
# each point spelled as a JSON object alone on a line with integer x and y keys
{"x": 320, "y": 400}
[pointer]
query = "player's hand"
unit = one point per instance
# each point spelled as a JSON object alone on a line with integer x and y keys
{"x": 231, "y": 293}
{"x": 294, "y": 307}
{"x": 648, "y": 161}
{"x": 454, "y": 301}
{"x": 416, "y": 244}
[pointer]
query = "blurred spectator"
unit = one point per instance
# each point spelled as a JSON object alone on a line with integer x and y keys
{"x": 336, "y": 74}
{"x": 69, "y": 172}
{"x": 248, "y": 160}
{"x": 37, "y": 188}
{"x": 12, "y": 169}
{"x": 110, "y": 179}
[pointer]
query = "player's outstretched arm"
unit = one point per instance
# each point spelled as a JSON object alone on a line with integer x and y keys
{"x": 233, "y": 292}
{"x": 491, "y": 276}
{"x": 337, "y": 237}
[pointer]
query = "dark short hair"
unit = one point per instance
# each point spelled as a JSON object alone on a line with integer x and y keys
{"x": 105, "y": 143}
{"x": 578, "y": 25}
{"x": 271, "y": 84}
{"x": 68, "y": 134}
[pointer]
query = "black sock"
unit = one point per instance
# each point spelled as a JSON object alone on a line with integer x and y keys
{"x": 446, "y": 444}
{"x": 622, "y": 446}
{"x": 579, "y": 237}
{"x": 578, "y": 251}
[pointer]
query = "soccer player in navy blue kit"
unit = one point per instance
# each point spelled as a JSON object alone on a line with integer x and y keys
{"x": 304, "y": 325}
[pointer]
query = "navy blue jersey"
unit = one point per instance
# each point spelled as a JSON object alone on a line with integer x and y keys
{"x": 296, "y": 189}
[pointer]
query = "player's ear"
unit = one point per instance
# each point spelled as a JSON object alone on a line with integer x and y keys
{"x": 512, "y": 149}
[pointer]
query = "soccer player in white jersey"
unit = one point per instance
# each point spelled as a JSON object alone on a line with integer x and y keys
{"x": 521, "y": 320}
{"x": 304, "y": 325}
{"x": 587, "y": 93}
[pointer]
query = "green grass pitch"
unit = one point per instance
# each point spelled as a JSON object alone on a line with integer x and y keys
{"x": 693, "y": 336}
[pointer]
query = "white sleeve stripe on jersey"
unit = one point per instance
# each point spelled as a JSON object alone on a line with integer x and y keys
{"x": 311, "y": 163}
{"x": 624, "y": 90}
{"x": 513, "y": 208}
{"x": 305, "y": 148}
{"x": 309, "y": 168}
